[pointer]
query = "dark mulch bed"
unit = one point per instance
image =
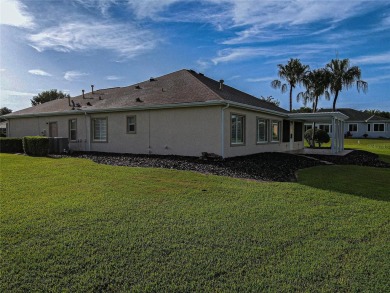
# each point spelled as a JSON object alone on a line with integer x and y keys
{"x": 264, "y": 166}
{"x": 360, "y": 158}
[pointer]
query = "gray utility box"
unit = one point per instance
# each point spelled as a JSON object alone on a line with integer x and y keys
{"x": 58, "y": 145}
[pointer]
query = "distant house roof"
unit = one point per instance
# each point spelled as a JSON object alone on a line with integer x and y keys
{"x": 356, "y": 115}
{"x": 180, "y": 87}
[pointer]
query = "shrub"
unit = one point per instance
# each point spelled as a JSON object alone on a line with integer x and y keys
{"x": 320, "y": 136}
{"x": 36, "y": 145}
{"x": 11, "y": 145}
{"x": 365, "y": 135}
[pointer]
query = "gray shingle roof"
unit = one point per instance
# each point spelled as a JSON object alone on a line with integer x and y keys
{"x": 356, "y": 115}
{"x": 183, "y": 86}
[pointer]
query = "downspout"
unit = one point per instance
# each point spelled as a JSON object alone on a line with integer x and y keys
{"x": 223, "y": 130}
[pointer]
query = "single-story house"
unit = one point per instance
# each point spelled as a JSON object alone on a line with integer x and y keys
{"x": 359, "y": 124}
{"x": 181, "y": 113}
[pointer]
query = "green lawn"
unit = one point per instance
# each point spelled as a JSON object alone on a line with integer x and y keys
{"x": 376, "y": 146}
{"x": 71, "y": 225}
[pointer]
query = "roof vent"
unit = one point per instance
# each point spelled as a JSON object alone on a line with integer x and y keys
{"x": 78, "y": 105}
{"x": 73, "y": 104}
{"x": 138, "y": 100}
{"x": 100, "y": 98}
{"x": 201, "y": 74}
{"x": 192, "y": 71}
{"x": 89, "y": 104}
{"x": 152, "y": 79}
{"x": 92, "y": 88}
{"x": 83, "y": 94}
{"x": 137, "y": 87}
{"x": 221, "y": 84}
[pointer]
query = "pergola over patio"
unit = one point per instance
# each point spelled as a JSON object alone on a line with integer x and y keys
{"x": 336, "y": 119}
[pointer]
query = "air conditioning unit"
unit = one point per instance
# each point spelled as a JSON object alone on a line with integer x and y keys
{"x": 58, "y": 145}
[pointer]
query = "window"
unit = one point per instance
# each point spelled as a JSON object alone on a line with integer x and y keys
{"x": 99, "y": 129}
{"x": 368, "y": 127}
{"x": 237, "y": 129}
{"x": 72, "y": 129}
{"x": 379, "y": 127}
{"x": 275, "y": 131}
{"x": 352, "y": 127}
{"x": 131, "y": 123}
{"x": 262, "y": 130}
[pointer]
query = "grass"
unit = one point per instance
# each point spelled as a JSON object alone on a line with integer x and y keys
{"x": 377, "y": 146}
{"x": 71, "y": 225}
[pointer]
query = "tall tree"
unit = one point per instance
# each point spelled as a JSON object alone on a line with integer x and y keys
{"x": 293, "y": 73}
{"x": 47, "y": 96}
{"x": 342, "y": 75}
{"x": 4, "y": 111}
{"x": 316, "y": 83}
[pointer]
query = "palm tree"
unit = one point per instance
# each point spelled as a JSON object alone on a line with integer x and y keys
{"x": 344, "y": 76}
{"x": 316, "y": 83}
{"x": 293, "y": 73}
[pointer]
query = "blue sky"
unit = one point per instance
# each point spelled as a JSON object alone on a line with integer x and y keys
{"x": 69, "y": 45}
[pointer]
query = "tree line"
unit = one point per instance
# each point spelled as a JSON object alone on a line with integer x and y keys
{"x": 336, "y": 76}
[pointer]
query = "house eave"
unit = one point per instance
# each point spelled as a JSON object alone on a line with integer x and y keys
{"x": 82, "y": 111}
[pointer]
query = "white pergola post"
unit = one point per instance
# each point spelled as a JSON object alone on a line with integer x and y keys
{"x": 333, "y": 143}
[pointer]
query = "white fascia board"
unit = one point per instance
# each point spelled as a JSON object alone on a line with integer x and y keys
{"x": 318, "y": 116}
{"x": 80, "y": 111}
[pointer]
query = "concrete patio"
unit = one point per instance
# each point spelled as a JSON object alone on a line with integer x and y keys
{"x": 326, "y": 152}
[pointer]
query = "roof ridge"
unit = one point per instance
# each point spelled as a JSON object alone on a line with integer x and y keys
{"x": 204, "y": 85}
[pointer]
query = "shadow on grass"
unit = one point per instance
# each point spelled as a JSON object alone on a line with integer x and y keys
{"x": 368, "y": 182}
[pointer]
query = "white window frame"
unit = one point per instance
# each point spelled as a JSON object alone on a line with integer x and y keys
{"x": 353, "y": 124}
{"x": 275, "y": 122}
{"x": 128, "y": 124}
{"x": 104, "y": 139}
{"x": 233, "y": 140}
{"x": 265, "y": 122}
{"x": 373, "y": 127}
{"x": 72, "y": 129}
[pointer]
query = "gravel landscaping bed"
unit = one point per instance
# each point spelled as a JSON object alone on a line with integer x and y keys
{"x": 360, "y": 158}
{"x": 264, "y": 166}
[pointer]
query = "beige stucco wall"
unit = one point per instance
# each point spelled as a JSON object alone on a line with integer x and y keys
{"x": 184, "y": 131}
{"x": 179, "y": 131}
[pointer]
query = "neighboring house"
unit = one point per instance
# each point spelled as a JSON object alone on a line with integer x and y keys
{"x": 359, "y": 124}
{"x": 181, "y": 113}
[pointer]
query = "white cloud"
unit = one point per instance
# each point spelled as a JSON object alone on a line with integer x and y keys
{"x": 260, "y": 79}
{"x": 39, "y": 72}
{"x": 73, "y": 75}
{"x": 17, "y": 93}
{"x": 372, "y": 59}
{"x": 12, "y": 12}
{"x": 150, "y": 8}
{"x": 2, "y": 69}
{"x": 125, "y": 39}
{"x": 102, "y": 5}
{"x": 113, "y": 77}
